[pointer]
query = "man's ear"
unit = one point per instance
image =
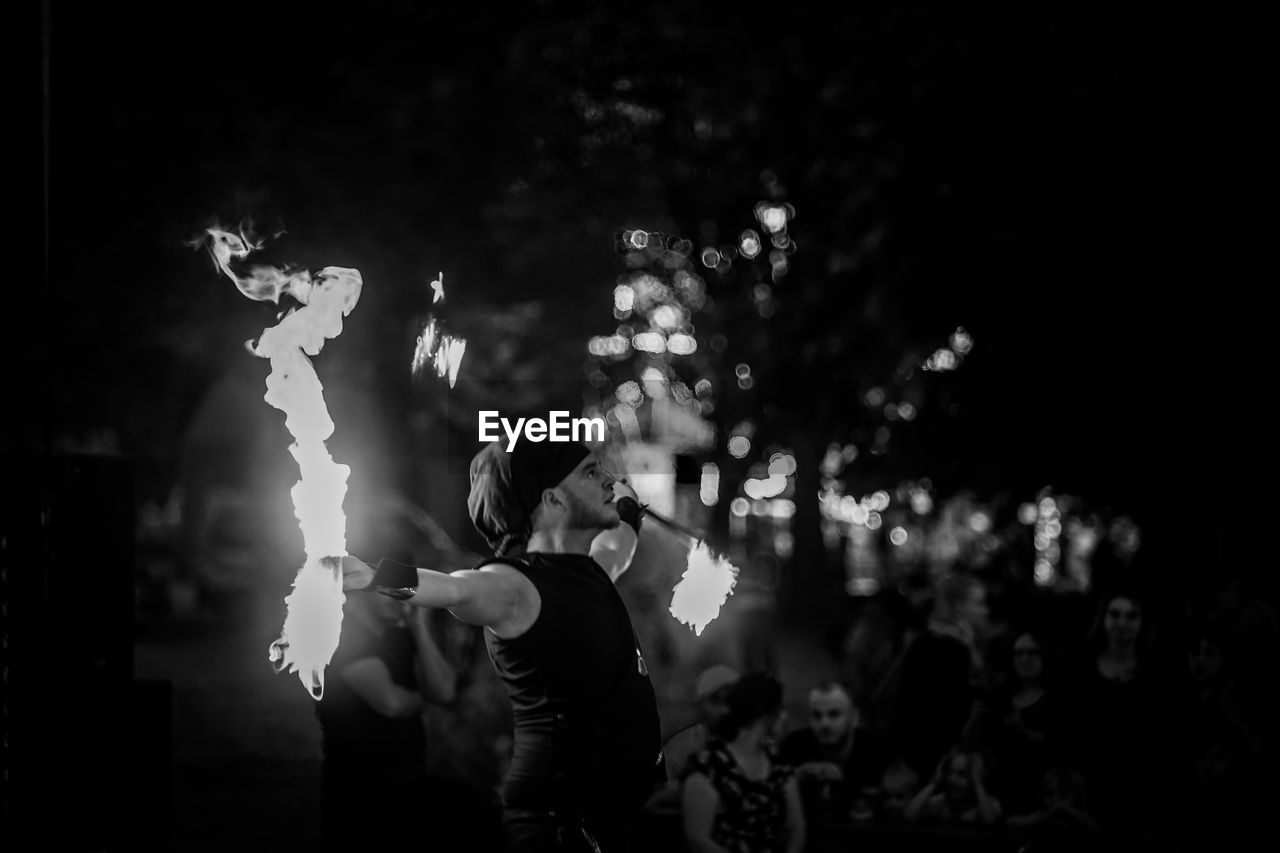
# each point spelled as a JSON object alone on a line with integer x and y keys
{"x": 552, "y": 499}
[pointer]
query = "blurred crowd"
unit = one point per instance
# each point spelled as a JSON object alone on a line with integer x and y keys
{"x": 1116, "y": 733}
{"x": 952, "y": 703}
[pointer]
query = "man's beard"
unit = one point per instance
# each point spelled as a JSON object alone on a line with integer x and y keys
{"x": 584, "y": 516}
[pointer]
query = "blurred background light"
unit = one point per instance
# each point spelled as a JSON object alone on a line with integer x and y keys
{"x": 709, "y": 490}
{"x": 679, "y": 344}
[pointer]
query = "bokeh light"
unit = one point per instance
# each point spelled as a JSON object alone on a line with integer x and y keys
{"x": 629, "y": 392}
{"x": 773, "y": 216}
{"x": 665, "y": 317}
{"x": 680, "y": 344}
{"x": 649, "y": 342}
{"x": 709, "y": 489}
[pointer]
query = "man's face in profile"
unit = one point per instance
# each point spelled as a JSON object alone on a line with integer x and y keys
{"x": 588, "y": 495}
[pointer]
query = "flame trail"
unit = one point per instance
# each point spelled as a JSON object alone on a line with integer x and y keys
{"x": 443, "y": 352}
{"x": 310, "y": 634}
{"x": 704, "y": 587}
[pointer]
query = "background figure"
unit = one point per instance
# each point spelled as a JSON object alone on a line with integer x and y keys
{"x": 836, "y": 760}
{"x": 735, "y": 797}
{"x": 1214, "y": 699}
{"x": 385, "y": 668}
{"x": 957, "y": 793}
{"x": 942, "y": 675}
{"x": 1062, "y": 807}
{"x": 1026, "y": 723}
{"x": 1226, "y": 804}
{"x": 711, "y": 691}
{"x": 469, "y": 739}
{"x": 1125, "y": 720}
{"x": 898, "y": 787}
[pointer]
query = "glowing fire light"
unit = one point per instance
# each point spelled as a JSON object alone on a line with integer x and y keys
{"x": 443, "y": 352}
{"x": 703, "y": 588}
{"x": 311, "y": 628}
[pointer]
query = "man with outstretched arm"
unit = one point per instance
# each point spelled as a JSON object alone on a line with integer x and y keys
{"x": 587, "y": 746}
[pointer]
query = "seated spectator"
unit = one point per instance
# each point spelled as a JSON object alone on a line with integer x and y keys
{"x": 835, "y": 759}
{"x": 735, "y": 797}
{"x": 957, "y": 793}
{"x": 897, "y": 788}
{"x": 1062, "y": 808}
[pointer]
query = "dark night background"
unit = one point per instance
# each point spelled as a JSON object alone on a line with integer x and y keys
{"x": 1078, "y": 189}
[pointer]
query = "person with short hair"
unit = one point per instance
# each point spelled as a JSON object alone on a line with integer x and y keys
{"x": 836, "y": 760}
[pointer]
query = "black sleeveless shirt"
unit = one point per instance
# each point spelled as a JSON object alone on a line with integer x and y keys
{"x": 586, "y": 720}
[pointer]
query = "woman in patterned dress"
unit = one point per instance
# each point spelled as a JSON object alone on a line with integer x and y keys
{"x": 735, "y": 798}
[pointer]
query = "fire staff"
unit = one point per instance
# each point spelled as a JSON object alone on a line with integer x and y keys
{"x": 587, "y": 746}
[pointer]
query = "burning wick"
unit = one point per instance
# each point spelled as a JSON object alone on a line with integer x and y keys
{"x": 443, "y": 352}
{"x": 706, "y": 584}
{"x": 704, "y": 587}
{"x": 314, "y": 620}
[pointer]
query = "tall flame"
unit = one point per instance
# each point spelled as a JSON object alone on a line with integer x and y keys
{"x": 707, "y": 583}
{"x": 314, "y": 620}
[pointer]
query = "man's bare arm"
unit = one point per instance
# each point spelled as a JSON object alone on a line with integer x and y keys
{"x": 614, "y": 549}
{"x": 495, "y": 596}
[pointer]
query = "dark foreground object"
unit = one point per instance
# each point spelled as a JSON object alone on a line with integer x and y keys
{"x": 85, "y": 752}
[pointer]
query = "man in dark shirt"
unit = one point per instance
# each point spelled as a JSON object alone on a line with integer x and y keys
{"x": 835, "y": 760}
{"x": 587, "y": 751}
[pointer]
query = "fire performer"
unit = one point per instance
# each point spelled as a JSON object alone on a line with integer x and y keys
{"x": 587, "y": 749}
